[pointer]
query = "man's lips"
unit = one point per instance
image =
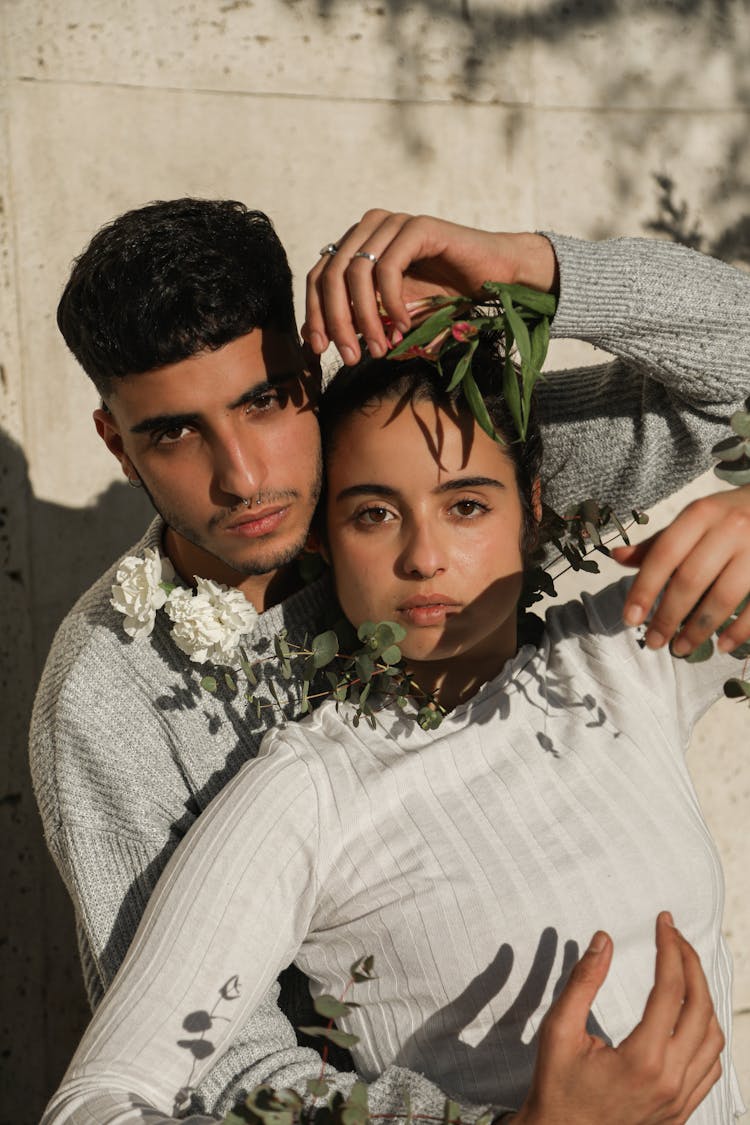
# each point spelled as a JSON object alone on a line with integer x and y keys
{"x": 428, "y": 609}
{"x": 257, "y": 522}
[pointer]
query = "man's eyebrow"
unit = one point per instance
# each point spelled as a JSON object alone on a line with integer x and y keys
{"x": 174, "y": 421}
{"x": 454, "y": 485}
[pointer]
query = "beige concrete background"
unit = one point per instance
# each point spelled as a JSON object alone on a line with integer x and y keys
{"x": 511, "y": 114}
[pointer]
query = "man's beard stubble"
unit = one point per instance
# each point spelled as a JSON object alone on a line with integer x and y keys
{"x": 258, "y": 565}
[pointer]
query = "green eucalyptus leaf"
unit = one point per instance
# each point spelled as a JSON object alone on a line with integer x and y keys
{"x": 208, "y": 683}
{"x": 740, "y": 423}
{"x": 451, "y": 1112}
{"x": 732, "y": 449}
{"x": 340, "y": 1038}
{"x": 737, "y": 689}
{"x": 363, "y": 969}
{"x": 736, "y": 473}
{"x": 742, "y": 652}
{"x": 391, "y": 655}
{"x": 229, "y": 681}
{"x": 364, "y": 666}
{"x": 703, "y": 652}
{"x": 324, "y": 648}
{"x": 317, "y": 1087}
{"x": 366, "y": 630}
{"x": 330, "y": 1007}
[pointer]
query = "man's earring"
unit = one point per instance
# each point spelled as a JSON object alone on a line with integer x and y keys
{"x": 134, "y": 482}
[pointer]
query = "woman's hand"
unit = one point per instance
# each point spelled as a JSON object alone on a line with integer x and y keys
{"x": 702, "y": 561}
{"x": 415, "y": 257}
{"x": 658, "y": 1075}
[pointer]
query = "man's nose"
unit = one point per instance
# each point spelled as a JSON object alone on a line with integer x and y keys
{"x": 239, "y": 469}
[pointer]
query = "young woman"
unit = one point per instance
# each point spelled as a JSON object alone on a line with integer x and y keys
{"x": 473, "y": 861}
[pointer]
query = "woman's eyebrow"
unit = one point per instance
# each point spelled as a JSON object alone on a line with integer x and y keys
{"x": 367, "y": 490}
{"x": 458, "y": 483}
{"x": 453, "y": 485}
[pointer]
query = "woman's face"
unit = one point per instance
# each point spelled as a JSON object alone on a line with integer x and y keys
{"x": 424, "y": 527}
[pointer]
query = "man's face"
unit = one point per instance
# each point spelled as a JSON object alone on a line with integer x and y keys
{"x": 212, "y": 431}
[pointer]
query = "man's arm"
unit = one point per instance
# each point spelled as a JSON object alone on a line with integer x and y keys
{"x": 628, "y": 432}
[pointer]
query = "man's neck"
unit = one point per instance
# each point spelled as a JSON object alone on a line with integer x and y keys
{"x": 262, "y": 590}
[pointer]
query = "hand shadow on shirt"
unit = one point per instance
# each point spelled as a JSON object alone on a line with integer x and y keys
{"x": 442, "y": 1031}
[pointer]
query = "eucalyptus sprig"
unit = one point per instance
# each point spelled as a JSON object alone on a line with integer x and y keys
{"x": 520, "y": 314}
{"x": 338, "y": 664}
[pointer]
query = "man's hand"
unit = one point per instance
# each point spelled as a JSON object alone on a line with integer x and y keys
{"x": 658, "y": 1075}
{"x": 416, "y": 257}
{"x": 703, "y": 560}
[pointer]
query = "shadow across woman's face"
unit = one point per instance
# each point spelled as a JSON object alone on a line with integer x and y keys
{"x": 424, "y": 524}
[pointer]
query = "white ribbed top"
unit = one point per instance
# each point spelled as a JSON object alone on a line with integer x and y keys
{"x": 474, "y": 862}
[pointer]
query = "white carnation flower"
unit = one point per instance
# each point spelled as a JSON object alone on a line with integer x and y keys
{"x": 210, "y": 624}
{"x": 138, "y": 593}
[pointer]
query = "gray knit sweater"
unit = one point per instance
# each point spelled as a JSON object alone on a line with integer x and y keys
{"x": 127, "y": 749}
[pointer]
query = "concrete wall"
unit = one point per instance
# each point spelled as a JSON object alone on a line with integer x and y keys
{"x": 514, "y": 114}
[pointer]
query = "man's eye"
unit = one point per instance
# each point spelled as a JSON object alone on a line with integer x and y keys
{"x": 171, "y": 436}
{"x": 469, "y": 508}
{"x": 374, "y": 515}
{"x": 264, "y": 402}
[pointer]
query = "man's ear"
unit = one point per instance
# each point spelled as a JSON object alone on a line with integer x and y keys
{"x": 109, "y": 432}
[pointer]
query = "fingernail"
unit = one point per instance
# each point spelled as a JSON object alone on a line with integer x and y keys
{"x": 633, "y": 615}
{"x": 725, "y": 643}
{"x": 654, "y": 639}
{"x": 375, "y": 349}
{"x": 316, "y": 342}
{"x": 396, "y": 337}
{"x": 348, "y": 354}
{"x": 597, "y": 943}
{"x": 681, "y": 647}
{"x": 670, "y": 919}
{"x": 401, "y": 327}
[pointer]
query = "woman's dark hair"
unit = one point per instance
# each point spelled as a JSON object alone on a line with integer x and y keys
{"x": 171, "y": 279}
{"x": 414, "y": 380}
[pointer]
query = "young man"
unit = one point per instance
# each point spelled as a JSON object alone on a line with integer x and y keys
{"x": 182, "y": 315}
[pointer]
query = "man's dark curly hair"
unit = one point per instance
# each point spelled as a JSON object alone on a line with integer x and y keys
{"x": 171, "y": 279}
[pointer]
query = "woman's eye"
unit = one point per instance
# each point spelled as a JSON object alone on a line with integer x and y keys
{"x": 374, "y": 516}
{"x": 468, "y": 508}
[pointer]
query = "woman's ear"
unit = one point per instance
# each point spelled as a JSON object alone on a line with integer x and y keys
{"x": 316, "y": 543}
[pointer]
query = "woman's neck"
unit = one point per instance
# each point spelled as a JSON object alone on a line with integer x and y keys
{"x": 457, "y": 678}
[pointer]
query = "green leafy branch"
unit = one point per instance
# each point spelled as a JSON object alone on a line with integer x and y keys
{"x": 328, "y": 668}
{"x": 265, "y": 1105}
{"x": 521, "y": 314}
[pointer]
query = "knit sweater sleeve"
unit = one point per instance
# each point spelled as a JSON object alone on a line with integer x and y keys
{"x": 631, "y": 431}
{"x": 230, "y": 911}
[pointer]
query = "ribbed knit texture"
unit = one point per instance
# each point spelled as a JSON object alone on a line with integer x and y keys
{"x": 474, "y": 862}
{"x": 127, "y": 749}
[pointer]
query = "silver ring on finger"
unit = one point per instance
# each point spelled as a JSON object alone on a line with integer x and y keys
{"x": 365, "y": 254}
{"x": 329, "y": 248}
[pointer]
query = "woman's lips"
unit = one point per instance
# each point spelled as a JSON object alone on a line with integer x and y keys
{"x": 259, "y": 523}
{"x": 428, "y": 609}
